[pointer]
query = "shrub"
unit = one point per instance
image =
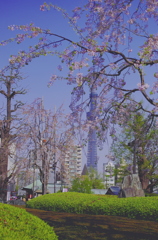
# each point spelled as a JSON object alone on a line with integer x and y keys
{"x": 16, "y": 223}
{"x": 136, "y": 208}
{"x": 151, "y": 195}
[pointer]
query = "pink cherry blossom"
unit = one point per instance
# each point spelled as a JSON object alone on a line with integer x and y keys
{"x": 98, "y": 59}
{"x": 142, "y": 87}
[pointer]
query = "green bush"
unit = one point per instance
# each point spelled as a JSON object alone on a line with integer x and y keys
{"x": 136, "y": 208}
{"x": 151, "y": 195}
{"x": 16, "y": 223}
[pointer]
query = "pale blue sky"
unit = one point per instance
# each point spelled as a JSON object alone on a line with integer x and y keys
{"x": 39, "y": 71}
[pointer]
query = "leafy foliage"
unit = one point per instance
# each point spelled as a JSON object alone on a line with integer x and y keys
{"x": 97, "y": 181}
{"x": 145, "y": 208}
{"x": 151, "y": 194}
{"x": 85, "y": 183}
{"x": 120, "y": 171}
{"x": 138, "y": 145}
{"x": 17, "y": 224}
{"x": 80, "y": 184}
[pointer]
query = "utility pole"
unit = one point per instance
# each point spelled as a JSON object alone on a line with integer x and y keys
{"x": 134, "y": 158}
{"x": 54, "y": 169}
{"x": 54, "y": 158}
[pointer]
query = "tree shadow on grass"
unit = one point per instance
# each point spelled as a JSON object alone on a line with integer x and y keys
{"x": 69, "y": 226}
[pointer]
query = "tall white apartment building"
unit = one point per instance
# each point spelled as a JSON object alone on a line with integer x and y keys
{"x": 72, "y": 164}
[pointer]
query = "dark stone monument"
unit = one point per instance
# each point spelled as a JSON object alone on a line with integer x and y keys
{"x": 131, "y": 187}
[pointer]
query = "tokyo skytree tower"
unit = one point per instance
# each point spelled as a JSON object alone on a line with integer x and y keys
{"x": 92, "y": 139}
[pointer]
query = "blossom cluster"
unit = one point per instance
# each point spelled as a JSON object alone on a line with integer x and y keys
{"x": 142, "y": 87}
{"x": 100, "y": 59}
{"x": 149, "y": 49}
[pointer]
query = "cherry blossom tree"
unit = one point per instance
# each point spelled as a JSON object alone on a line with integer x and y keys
{"x": 116, "y": 45}
{"x": 48, "y": 137}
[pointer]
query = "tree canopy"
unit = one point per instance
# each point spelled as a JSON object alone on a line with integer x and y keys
{"x": 137, "y": 143}
{"x": 86, "y": 183}
{"x": 117, "y": 44}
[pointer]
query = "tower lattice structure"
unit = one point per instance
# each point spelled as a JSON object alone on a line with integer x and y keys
{"x": 92, "y": 139}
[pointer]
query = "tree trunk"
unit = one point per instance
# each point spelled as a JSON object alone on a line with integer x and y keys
{"x": 143, "y": 178}
{"x": 150, "y": 187}
{"x": 3, "y": 175}
{"x": 45, "y": 177}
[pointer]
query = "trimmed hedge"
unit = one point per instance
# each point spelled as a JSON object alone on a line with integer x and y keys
{"x": 151, "y": 195}
{"x": 137, "y": 208}
{"x": 16, "y": 223}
